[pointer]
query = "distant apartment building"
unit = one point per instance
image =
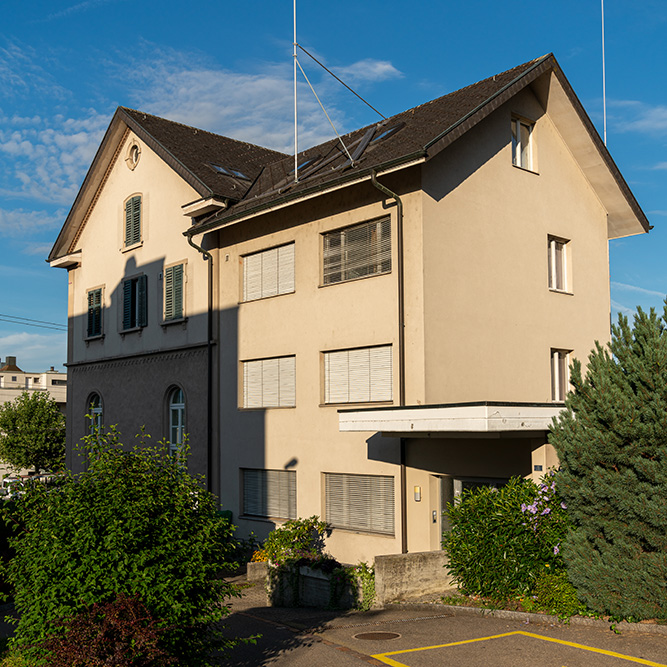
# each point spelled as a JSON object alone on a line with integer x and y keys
{"x": 360, "y": 335}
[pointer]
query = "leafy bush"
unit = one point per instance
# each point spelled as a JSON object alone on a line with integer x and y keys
{"x": 501, "y": 539}
{"x": 121, "y": 633}
{"x": 554, "y": 594}
{"x": 612, "y": 443}
{"x": 295, "y": 539}
{"x": 134, "y": 524}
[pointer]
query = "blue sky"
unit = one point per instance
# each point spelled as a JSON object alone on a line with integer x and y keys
{"x": 227, "y": 67}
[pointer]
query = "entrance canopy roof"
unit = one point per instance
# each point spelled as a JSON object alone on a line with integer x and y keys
{"x": 486, "y": 417}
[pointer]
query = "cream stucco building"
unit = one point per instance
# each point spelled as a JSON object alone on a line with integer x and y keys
{"x": 365, "y": 339}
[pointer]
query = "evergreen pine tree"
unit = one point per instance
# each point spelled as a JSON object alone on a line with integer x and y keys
{"x": 612, "y": 443}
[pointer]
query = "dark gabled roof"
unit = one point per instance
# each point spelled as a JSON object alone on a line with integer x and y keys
{"x": 198, "y": 151}
{"x": 415, "y": 132}
{"x": 422, "y": 132}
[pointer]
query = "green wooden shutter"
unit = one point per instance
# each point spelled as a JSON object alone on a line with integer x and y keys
{"x": 94, "y": 313}
{"x": 173, "y": 292}
{"x": 133, "y": 220}
{"x": 127, "y": 304}
{"x": 178, "y": 291}
{"x": 169, "y": 293}
{"x": 142, "y": 302}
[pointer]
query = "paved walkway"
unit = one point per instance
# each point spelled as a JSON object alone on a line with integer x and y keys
{"x": 419, "y": 635}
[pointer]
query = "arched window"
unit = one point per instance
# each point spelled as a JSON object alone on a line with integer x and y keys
{"x": 94, "y": 413}
{"x": 176, "y": 418}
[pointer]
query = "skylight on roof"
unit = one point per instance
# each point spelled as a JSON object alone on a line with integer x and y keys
{"x": 228, "y": 171}
{"x": 387, "y": 133}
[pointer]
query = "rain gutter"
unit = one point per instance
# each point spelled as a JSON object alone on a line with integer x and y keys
{"x": 209, "y": 368}
{"x": 401, "y": 350}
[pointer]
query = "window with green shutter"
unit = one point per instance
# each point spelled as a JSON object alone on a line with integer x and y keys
{"x": 173, "y": 292}
{"x": 133, "y": 220}
{"x": 134, "y": 302}
{"x": 94, "y": 313}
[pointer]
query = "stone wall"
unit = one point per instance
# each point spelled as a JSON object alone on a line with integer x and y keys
{"x": 412, "y": 575}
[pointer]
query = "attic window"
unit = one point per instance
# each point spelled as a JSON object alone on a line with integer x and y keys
{"x": 385, "y": 134}
{"x": 133, "y": 155}
{"x": 228, "y": 172}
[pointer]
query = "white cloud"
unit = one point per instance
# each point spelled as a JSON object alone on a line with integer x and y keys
{"x": 24, "y": 72}
{"x": 79, "y": 7}
{"x": 46, "y": 159}
{"x": 640, "y": 290}
{"x": 35, "y": 352}
{"x": 19, "y": 222}
{"x": 368, "y": 69}
{"x": 620, "y": 308}
{"x": 636, "y": 116}
{"x": 660, "y": 165}
{"x": 251, "y": 106}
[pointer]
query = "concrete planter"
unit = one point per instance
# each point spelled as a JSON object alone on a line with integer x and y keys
{"x": 305, "y": 587}
{"x": 257, "y": 571}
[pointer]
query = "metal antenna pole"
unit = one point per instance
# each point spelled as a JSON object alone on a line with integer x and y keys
{"x": 604, "y": 84}
{"x": 296, "y": 140}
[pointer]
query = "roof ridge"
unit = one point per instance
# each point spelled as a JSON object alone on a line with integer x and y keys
{"x": 199, "y": 129}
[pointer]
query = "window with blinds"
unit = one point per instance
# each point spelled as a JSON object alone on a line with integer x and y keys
{"x": 357, "y": 252}
{"x": 269, "y": 383}
{"x": 173, "y": 292}
{"x": 362, "y": 375}
{"x": 94, "y": 313}
{"x": 268, "y": 273}
{"x": 360, "y": 502}
{"x": 269, "y": 493}
{"x": 133, "y": 220}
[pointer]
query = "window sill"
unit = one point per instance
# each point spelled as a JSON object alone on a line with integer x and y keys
{"x": 134, "y": 246}
{"x": 268, "y": 407}
{"x": 131, "y": 331}
{"x": 528, "y": 171}
{"x": 263, "y": 519}
{"x": 561, "y": 291}
{"x": 360, "y": 531}
{"x": 371, "y": 403}
{"x": 354, "y": 280}
{"x": 92, "y": 339}
{"x": 264, "y": 298}
{"x": 167, "y": 323}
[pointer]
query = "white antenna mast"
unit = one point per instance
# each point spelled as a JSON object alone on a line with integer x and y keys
{"x": 604, "y": 84}
{"x": 296, "y": 140}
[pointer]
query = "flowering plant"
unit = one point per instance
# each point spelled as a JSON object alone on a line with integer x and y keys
{"x": 546, "y": 516}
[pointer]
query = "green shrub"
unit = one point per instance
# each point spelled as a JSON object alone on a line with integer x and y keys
{"x": 554, "y": 594}
{"x": 295, "y": 539}
{"x": 501, "y": 539}
{"x": 612, "y": 443}
{"x": 135, "y": 524}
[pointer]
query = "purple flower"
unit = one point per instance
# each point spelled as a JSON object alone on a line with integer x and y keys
{"x": 563, "y": 505}
{"x": 523, "y": 507}
{"x": 546, "y": 510}
{"x": 556, "y": 550}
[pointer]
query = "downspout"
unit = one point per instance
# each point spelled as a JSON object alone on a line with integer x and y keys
{"x": 209, "y": 353}
{"x": 401, "y": 350}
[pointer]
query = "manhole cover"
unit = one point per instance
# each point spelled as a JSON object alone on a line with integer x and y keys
{"x": 377, "y": 636}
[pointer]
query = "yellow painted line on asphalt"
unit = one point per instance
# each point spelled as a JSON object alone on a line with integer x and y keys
{"x": 384, "y": 657}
